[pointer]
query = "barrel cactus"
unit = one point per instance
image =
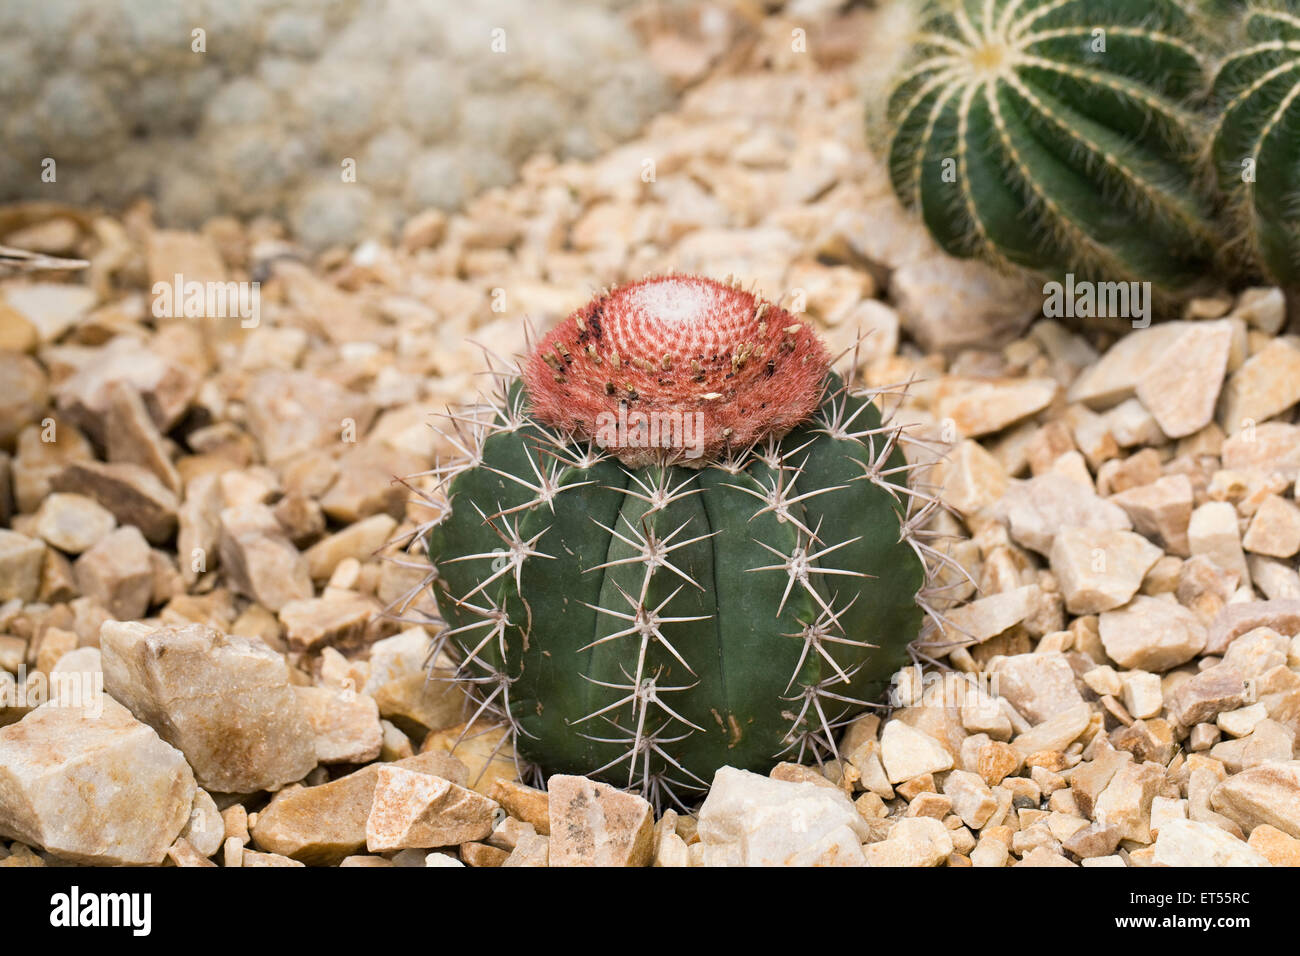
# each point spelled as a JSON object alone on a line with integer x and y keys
{"x": 677, "y": 541}
{"x": 1256, "y": 144}
{"x": 1058, "y": 136}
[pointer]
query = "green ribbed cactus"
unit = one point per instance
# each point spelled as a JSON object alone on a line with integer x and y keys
{"x": 1256, "y": 145}
{"x": 647, "y": 613}
{"x": 1058, "y": 136}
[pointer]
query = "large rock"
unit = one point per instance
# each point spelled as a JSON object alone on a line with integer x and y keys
{"x": 225, "y": 702}
{"x": 750, "y": 820}
{"x": 92, "y": 785}
{"x": 1180, "y": 389}
{"x": 73, "y": 523}
{"x": 593, "y": 824}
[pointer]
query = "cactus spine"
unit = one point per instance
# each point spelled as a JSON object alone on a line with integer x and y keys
{"x": 1256, "y": 144}
{"x": 1055, "y": 136}
{"x": 645, "y": 622}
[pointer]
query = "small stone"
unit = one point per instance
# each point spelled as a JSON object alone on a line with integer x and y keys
{"x": 414, "y": 810}
{"x": 1161, "y": 510}
{"x": 1268, "y": 447}
{"x": 322, "y": 824}
{"x": 1275, "y": 529}
{"x": 167, "y": 386}
{"x": 340, "y": 619}
{"x": 1151, "y": 634}
{"x": 51, "y": 307}
{"x": 1266, "y": 794}
{"x": 1100, "y": 569}
{"x": 914, "y": 842}
{"x": 259, "y": 561}
{"x": 996, "y": 761}
{"x": 973, "y": 480}
{"x": 1092, "y": 840}
{"x": 1267, "y": 384}
{"x": 182, "y": 853}
{"x": 1263, "y": 309}
{"x": 292, "y": 412}
{"x": 92, "y": 785}
{"x": 1240, "y": 722}
{"x": 1104, "y": 681}
{"x": 345, "y": 724}
{"x": 972, "y": 800}
{"x": 1202, "y": 737}
{"x": 1268, "y": 742}
{"x": 72, "y": 523}
{"x": 593, "y": 824}
{"x": 982, "y": 406}
{"x": 524, "y": 803}
{"x": 1122, "y": 369}
{"x": 1143, "y": 697}
{"x": 1038, "y": 686}
{"x": 1181, "y": 387}
{"x": 1039, "y": 508}
{"x": 1055, "y": 733}
{"x": 1213, "y": 532}
{"x": 1202, "y": 697}
{"x": 21, "y": 559}
{"x": 205, "y": 830}
{"x": 361, "y": 540}
{"x": 1189, "y": 843}
{"x": 1126, "y": 801}
{"x": 907, "y": 753}
{"x": 132, "y": 493}
{"x": 1238, "y": 619}
{"x": 131, "y": 436}
{"x": 1132, "y": 425}
{"x": 948, "y": 304}
{"x": 990, "y": 616}
{"x": 253, "y": 858}
{"x": 258, "y": 738}
{"x": 118, "y": 573}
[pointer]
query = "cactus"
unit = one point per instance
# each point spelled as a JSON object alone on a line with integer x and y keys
{"x": 1256, "y": 138}
{"x": 645, "y": 609}
{"x": 1058, "y": 137}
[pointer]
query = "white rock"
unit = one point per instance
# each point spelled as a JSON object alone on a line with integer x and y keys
{"x": 1151, "y": 634}
{"x": 1142, "y": 695}
{"x": 751, "y": 820}
{"x": 1039, "y": 508}
{"x": 1213, "y": 532}
{"x": 907, "y": 752}
{"x": 1100, "y": 568}
{"x": 913, "y": 841}
{"x": 1189, "y": 843}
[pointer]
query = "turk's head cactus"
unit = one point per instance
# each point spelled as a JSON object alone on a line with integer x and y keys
{"x": 678, "y": 541}
{"x": 1058, "y": 137}
{"x": 1256, "y": 144}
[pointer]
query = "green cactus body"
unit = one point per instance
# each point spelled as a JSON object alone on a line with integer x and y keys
{"x": 648, "y": 625}
{"x": 1054, "y": 136}
{"x": 1256, "y": 144}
